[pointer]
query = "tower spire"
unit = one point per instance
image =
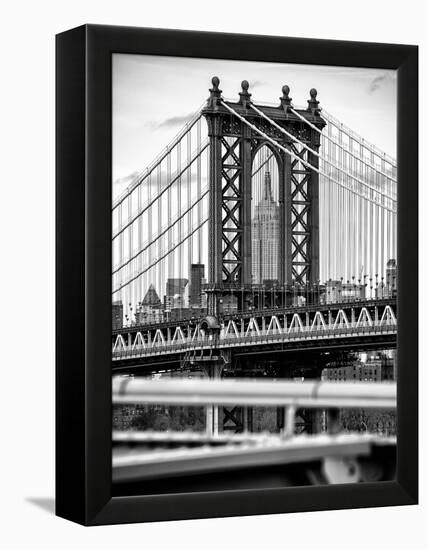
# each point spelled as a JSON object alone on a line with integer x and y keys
{"x": 268, "y": 187}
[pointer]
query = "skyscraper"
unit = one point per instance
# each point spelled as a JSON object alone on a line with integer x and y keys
{"x": 197, "y": 272}
{"x": 117, "y": 315}
{"x": 391, "y": 276}
{"x": 388, "y": 288}
{"x": 175, "y": 293}
{"x": 176, "y": 286}
{"x": 265, "y": 236}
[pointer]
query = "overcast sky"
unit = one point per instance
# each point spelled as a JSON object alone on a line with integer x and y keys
{"x": 154, "y": 96}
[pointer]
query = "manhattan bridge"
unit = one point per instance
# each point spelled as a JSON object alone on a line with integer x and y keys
{"x": 261, "y": 242}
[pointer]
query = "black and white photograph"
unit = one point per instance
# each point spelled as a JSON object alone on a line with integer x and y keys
{"x": 254, "y": 274}
{"x": 213, "y": 253}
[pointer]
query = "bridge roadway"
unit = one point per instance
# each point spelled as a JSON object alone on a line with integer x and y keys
{"x": 362, "y": 325}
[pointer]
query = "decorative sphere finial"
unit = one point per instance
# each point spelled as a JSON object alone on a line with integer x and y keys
{"x": 244, "y": 95}
{"x": 313, "y": 103}
{"x": 215, "y": 93}
{"x": 285, "y": 99}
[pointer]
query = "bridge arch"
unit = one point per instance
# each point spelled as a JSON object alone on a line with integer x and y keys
{"x": 263, "y": 144}
{"x": 267, "y": 215}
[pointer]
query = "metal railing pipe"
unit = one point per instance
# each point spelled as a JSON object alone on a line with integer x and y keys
{"x": 311, "y": 394}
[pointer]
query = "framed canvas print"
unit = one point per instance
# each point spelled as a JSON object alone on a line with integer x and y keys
{"x": 236, "y": 275}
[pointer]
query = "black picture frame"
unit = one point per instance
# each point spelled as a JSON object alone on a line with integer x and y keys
{"x": 83, "y": 274}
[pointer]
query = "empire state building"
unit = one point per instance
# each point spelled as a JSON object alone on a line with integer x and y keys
{"x": 265, "y": 236}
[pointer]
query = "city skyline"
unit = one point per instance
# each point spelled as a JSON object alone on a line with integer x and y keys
{"x": 178, "y": 296}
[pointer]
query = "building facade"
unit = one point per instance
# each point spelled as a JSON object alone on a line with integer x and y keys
{"x": 338, "y": 291}
{"x": 117, "y": 315}
{"x": 150, "y": 309}
{"x": 265, "y": 236}
{"x": 197, "y": 274}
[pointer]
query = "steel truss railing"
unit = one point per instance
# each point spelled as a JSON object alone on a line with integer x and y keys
{"x": 308, "y": 333}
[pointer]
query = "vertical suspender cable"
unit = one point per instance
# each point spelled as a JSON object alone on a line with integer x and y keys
{"x": 198, "y": 189}
{"x": 140, "y": 242}
{"x": 382, "y": 233}
{"x": 179, "y": 210}
{"x": 376, "y": 237}
{"x": 148, "y": 223}
{"x": 189, "y": 200}
{"x": 160, "y": 282}
{"x": 120, "y": 218}
{"x": 332, "y": 218}
{"x": 169, "y": 207}
{"x": 127, "y": 238}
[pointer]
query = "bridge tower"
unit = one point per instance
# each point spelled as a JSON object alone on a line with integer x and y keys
{"x": 233, "y": 147}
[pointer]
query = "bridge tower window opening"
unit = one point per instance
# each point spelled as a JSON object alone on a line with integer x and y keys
{"x": 266, "y": 220}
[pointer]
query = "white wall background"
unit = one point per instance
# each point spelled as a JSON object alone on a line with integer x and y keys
{"x": 27, "y": 272}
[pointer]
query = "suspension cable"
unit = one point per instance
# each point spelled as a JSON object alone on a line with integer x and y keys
{"x": 339, "y": 145}
{"x": 171, "y": 250}
{"x": 150, "y": 202}
{"x": 144, "y": 246}
{"x": 332, "y": 121}
{"x": 139, "y": 179}
{"x": 290, "y": 135}
{"x": 293, "y": 155}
